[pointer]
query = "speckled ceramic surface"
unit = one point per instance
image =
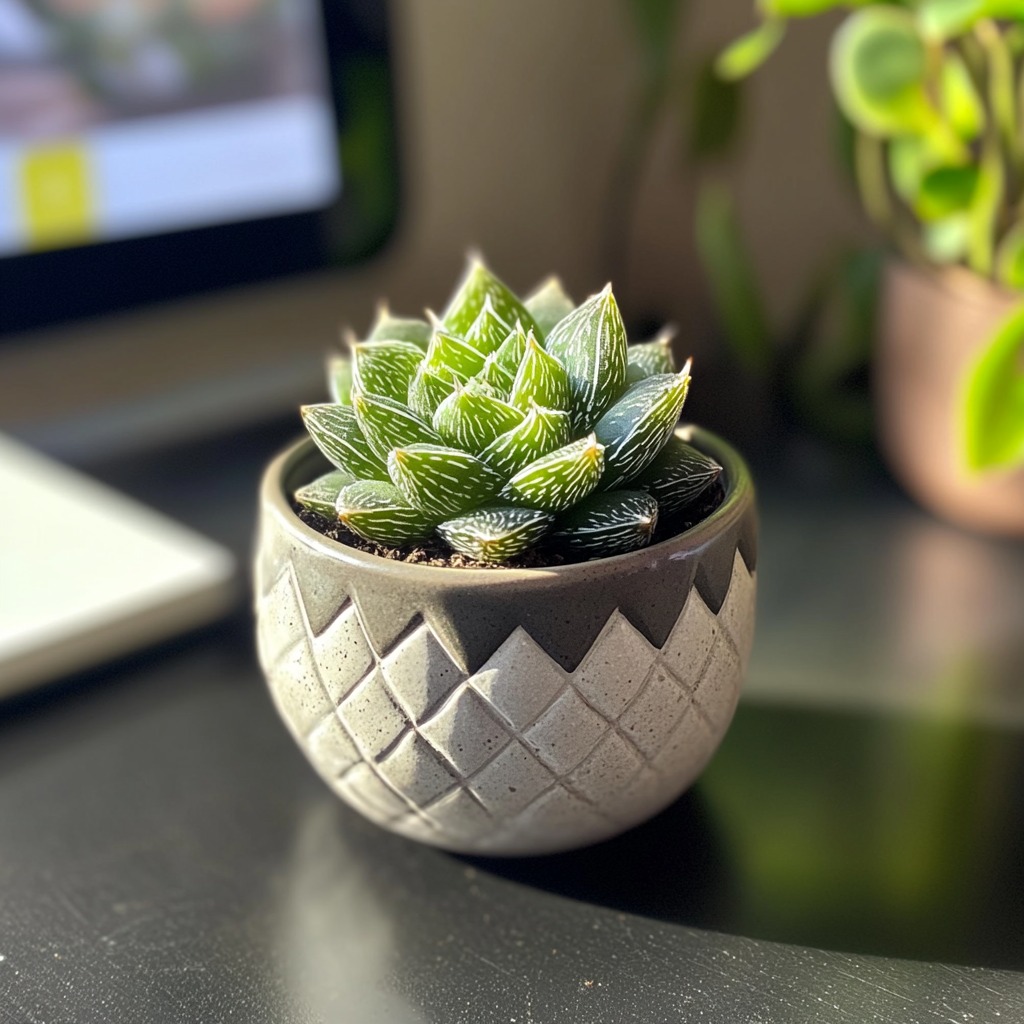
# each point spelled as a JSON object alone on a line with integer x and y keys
{"x": 507, "y": 711}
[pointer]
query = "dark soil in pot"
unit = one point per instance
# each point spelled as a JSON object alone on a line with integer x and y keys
{"x": 435, "y": 552}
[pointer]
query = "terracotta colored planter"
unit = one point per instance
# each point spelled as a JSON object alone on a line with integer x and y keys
{"x": 507, "y": 711}
{"x": 933, "y": 327}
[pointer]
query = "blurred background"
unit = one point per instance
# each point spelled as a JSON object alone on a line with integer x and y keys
{"x": 568, "y": 138}
{"x": 195, "y": 195}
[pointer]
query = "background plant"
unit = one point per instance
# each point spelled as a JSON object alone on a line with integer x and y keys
{"x": 504, "y": 423}
{"x": 934, "y": 90}
{"x": 817, "y": 364}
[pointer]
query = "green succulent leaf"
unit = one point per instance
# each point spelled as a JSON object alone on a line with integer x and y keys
{"x": 945, "y": 191}
{"x": 339, "y": 379}
{"x": 744, "y": 56}
{"x": 591, "y": 344}
{"x": 496, "y": 533}
{"x": 558, "y": 480}
{"x": 678, "y": 476}
{"x": 488, "y": 330}
{"x": 396, "y": 328}
{"x": 540, "y": 380}
{"x": 470, "y": 418}
{"x": 428, "y": 389}
{"x": 387, "y": 424}
{"x": 336, "y": 432}
{"x": 994, "y": 401}
{"x": 442, "y": 481}
{"x": 540, "y": 432}
{"x": 639, "y": 424}
{"x": 608, "y": 523}
{"x": 548, "y": 304}
{"x": 376, "y": 510}
{"x": 477, "y": 286}
{"x": 450, "y": 354}
{"x": 1010, "y": 258}
{"x": 385, "y": 367}
{"x": 878, "y": 65}
{"x": 497, "y": 376}
{"x": 320, "y": 496}
{"x": 512, "y": 349}
{"x": 651, "y": 357}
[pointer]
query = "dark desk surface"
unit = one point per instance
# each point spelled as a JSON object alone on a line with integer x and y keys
{"x": 166, "y": 855}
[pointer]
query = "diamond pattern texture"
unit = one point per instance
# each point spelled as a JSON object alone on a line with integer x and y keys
{"x": 522, "y": 756}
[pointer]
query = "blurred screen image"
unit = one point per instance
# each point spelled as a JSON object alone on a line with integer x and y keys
{"x": 126, "y": 118}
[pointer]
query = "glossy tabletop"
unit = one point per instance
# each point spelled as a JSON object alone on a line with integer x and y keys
{"x": 853, "y": 853}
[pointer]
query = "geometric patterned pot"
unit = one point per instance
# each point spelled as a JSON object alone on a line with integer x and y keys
{"x": 502, "y": 711}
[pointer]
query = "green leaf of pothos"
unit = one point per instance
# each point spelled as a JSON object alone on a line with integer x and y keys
{"x": 993, "y": 408}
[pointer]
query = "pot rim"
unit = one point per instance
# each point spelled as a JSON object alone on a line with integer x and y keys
{"x": 739, "y": 493}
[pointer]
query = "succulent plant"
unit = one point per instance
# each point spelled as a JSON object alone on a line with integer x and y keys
{"x": 504, "y": 424}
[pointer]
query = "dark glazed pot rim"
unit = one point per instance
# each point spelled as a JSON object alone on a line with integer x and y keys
{"x": 279, "y": 481}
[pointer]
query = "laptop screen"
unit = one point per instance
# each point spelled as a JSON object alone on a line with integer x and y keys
{"x": 126, "y": 118}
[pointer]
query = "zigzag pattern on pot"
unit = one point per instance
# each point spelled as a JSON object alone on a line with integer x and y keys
{"x": 471, "y": 630}
{"x": 481, "y": 758}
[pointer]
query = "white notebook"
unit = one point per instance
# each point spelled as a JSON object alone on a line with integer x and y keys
{"x": 87, "y": 574}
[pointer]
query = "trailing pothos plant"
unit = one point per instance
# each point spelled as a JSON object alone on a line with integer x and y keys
{"x": 935, "y": 92}
{"x": 504, "y": 424}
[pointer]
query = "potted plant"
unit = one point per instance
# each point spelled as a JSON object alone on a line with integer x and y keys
{"x": 505, "y": 602}
{"x": 933, "y": 90}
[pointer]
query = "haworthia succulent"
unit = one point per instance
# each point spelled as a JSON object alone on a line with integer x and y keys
{"x": 376, "y": 510}
{"x": 339, "y": 379}
{"x": 488, "y": 330}
{"x": 540, "y": 380}
{"x": 591, "y": 344}
{"x": 337, "y": 434}
{"x": 678, "y": 476}
{"x": 637, "y": 426}
{"x": 470, "y": 418}
{"x": 496, "y": 533}
{"x": 481, "y": 427}
{"x": 558, "y": 480}
{"x": 651, "y": 357}
{"x": 540, "y": 432}
{"x": 385, "y": 367}
{"x": 548, "y": 304}
{"x": 321, "y": 495}
{"x": 428, "y": 389}
{"x": 608, "y": 523}
{"x": 478, "y": 285}
{"x": 396, "y": 328}
{"x": 387, "y": 424}
{"x": 449, "y": 352}
{"x": 442, "y": 481}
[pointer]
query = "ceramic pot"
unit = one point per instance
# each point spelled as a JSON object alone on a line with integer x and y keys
{"x": 933, "y": 328}
{"x": 506, "y": 711}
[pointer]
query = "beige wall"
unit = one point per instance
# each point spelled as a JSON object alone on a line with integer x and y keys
{"x": 511, "y": 115}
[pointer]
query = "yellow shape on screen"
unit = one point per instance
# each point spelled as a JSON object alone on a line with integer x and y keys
{"x": 57, "y": 195}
